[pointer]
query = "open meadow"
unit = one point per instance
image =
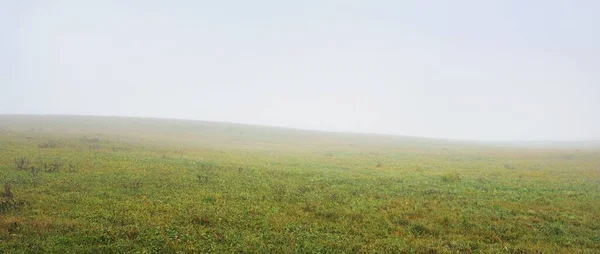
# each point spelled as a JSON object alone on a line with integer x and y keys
{"x": 80, "y": 184}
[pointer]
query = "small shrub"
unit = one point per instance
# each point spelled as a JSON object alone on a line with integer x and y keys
{"x": 48, "y": 144}
{"x": 51, "y": 167}
{"x": 201, "y": 220}
{"x": 131, "y": 232}
{"x": 71, "y": 168}
{"x": 279, "y": 192}
{"x": 451, "y": 177}
{"x": 209, "y": 200}
{"x": 207, "y": 166}
{"x": 465, "y": 222}
{"x": 418, "y": 230}
{"x": 309, "y": 207}
{"x": 133, "y": 185}
{"x": 356, "y": 193}
{"x": 356, "y": 217}
{"x": 432, "y": 192}
{"x": 555, "y": 230}
{"x": 203, "y": 179}
{"x": 334, "y": 197}
{"x": 7, "y": 199}
{"x": 303, "y": 190}
{"x": 509, "y": 166}
{"x": 330, "y": 215}
{"x": 21, "y": 163}
{"x": 399, "y": 220}
{"x": 482, "y": 179}
{"x": 7, "y": 191}
{"x": 379, "y": 164}
{"x": 86, "y": 139}
{"x": 446, "y": 221}
{"x": 35, "y": 176}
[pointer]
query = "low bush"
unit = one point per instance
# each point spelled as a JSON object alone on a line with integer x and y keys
{"x": 451, "y": 177}
{"x": 48, "y": 144}
{"x": 21, "y": 163}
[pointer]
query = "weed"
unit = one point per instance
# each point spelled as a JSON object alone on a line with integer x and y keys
{"x": 71, "y": 168}
{"x": 482, "y": 180}
{"x": 51, "y": 167}
{"x": 203, "y": 179}
{"x": 279, "y": 192}
{"x": 131, "y": 232}
{"x": 48, "y": 144}
{"x": 21, "y": 163}
{"x": 309, "y": 207}
{"x": 201, "y": 220}
{"x": 137, "y": 184}
{"x": 7, "y": 200}
{"x": 35, "y": 176}
{"x": 446, "y": 221}
{"x": 87, "y": 139}
{"x": 207, "y": 166}
{"x": 7, "y": 191}
{"x": 398, "y": 220}
{"x": 555, "y": 230}
{"x": 418, "y": 230}
{"x": 451, "y": 177}
{"x": 465, "y": 222}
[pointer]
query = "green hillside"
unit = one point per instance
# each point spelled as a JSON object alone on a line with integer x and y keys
{"x": 81, "y": 184}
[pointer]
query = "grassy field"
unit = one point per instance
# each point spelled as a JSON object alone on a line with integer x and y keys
{"x": 127, "y": 185}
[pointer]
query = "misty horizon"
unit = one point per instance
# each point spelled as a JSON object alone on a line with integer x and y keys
{"x": 574, "y": 143}
{"x": 497, "y": 71}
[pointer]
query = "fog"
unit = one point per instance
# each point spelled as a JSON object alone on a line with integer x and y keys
{"x": 475, "y": 70}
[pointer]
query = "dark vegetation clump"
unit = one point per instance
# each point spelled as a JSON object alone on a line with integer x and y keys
{"x": 419, "y": 230}
{"x": 509, "y": 166}
{"x": 87, "y": 139}
{"x": 279, "y": 192}
{"x": 51, "y": 167}
{"x": 48, "y": 144}
{"x": 7, "y": 199}
{"x": 35, "y": 175}
{"x": 207, "y": 171}
{"x": 201, "y": 220}
{"x": 203, "y": 179}
{"x": 71, "y": 168}
{"x": 451, "y": 177}
{"x": 208, "y": 166}
{"x": 134, "y": 185}
{"x": 21, "y": 163}
{"x": 7, "y": 191}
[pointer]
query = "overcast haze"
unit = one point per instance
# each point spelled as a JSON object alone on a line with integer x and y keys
{"x": 478, "y": 70}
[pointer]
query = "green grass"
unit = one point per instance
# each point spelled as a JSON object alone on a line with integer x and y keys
{"x": 102, "y": 184}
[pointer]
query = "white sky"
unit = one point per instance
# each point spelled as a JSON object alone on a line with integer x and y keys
{"x": 478, "y": 70}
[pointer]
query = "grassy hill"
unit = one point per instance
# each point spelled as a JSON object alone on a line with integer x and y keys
{"x": 115, "y": 184}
